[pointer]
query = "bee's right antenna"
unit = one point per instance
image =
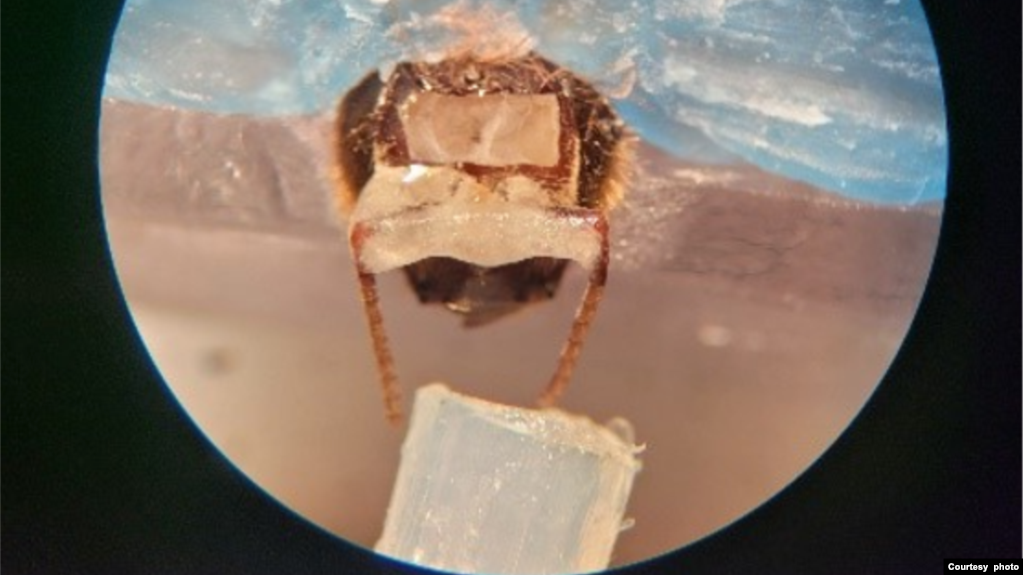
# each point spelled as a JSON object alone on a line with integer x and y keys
{"x": 583, "y": 317}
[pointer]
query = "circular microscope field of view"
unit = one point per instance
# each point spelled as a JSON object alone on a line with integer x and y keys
{"x": 712, "y": 219}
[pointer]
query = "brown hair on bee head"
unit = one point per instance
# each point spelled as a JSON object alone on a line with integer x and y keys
{"x": 368, "y": 116}
{"x": 461, "y": 31}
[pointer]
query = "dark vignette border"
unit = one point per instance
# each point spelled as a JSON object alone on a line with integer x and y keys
{"x": 106, "y": 475}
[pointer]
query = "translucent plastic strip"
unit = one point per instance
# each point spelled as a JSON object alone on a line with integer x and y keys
{"x": 488, "y": 488}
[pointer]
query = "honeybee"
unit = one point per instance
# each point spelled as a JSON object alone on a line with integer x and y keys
{"x": 481, "y": 178}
